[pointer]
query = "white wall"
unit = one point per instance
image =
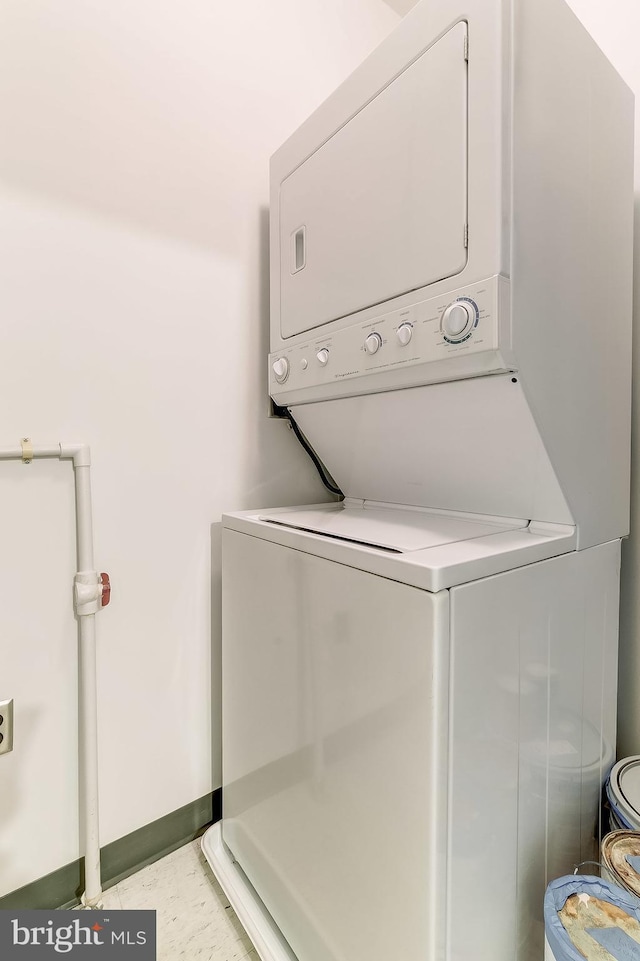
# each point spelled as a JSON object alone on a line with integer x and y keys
{"x": 133, "y": 293}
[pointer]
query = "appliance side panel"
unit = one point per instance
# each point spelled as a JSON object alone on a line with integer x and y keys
{"x": 572, "y": 259}
{"x": 532, "y": 733}
{"x": 470, "y": 445}
{"x": 335, "y": 748}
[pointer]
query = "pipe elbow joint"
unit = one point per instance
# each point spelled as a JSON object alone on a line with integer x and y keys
{"x": 80, "y": 454}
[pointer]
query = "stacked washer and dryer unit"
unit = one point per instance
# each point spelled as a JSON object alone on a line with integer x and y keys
{"x": 419, "y": 682}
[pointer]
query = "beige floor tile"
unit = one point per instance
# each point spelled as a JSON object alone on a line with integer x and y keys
{"x": 111, "y": 899}
{"x": 195, "y": 922}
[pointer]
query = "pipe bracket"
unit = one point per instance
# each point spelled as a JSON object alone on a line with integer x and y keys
{"x": 27, "y": 450}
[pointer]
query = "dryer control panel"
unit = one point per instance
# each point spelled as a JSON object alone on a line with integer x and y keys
{"x": 457, "y": 334}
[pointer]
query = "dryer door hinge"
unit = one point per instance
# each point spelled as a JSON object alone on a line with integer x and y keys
{"x": 466, "y": 235}
{"x": 466, "y": 47}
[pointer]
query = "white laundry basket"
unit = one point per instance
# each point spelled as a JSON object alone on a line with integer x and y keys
{"x": 562, "y": 946}
{"x": 623, "y": 795}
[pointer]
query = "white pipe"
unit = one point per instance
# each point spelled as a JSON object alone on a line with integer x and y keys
{"x": 92, "y": 896}
{"x": 84, "y": 522}
{"x": 16, "y": 453}
{"x": 87, "y": 580}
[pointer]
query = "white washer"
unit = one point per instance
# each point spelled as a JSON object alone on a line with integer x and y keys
{"x": 391, "y": 751}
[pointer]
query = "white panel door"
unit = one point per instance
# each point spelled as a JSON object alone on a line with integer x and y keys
{"x": 334, "y": 725}
{"x": 380, "y": 208}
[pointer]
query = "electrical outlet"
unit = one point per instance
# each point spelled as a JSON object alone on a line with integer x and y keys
{"x": 6, "y": 726}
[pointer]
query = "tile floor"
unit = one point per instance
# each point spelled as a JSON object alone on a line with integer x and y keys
{"x": 194, "y": 919}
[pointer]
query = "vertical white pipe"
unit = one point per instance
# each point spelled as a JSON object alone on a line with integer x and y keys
{"x": 88, "y": 688}
{"x": 84, "y": 523}
{"x": 89, "y": 759}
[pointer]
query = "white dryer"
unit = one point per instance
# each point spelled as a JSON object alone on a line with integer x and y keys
{"x": 419, "y": 682}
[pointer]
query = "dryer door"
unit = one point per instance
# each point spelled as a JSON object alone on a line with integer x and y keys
{"x": 335, "y": 688}
{"x": 380, "y": 208}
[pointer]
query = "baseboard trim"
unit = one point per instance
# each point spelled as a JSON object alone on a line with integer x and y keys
{"x": 62, "y": 888}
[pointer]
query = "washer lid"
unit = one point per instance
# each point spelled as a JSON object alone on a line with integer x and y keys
{"x": 394, "y": 530}
{"x": 438, "y": 551}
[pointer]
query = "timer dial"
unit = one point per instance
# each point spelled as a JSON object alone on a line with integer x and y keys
{"x": 404, "y": 333}
{"x": 373, "y": 343}
{"x": 281, "y": 369}
{"x": 458, "y": 321}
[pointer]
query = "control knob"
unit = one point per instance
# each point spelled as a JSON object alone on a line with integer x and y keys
{"x": 373, "y": 343}
{"x": 404, "y": 333}
{"x": 458, "y": 321}
{"x": 281, "y": 369}
{"x": 323, "y": 357}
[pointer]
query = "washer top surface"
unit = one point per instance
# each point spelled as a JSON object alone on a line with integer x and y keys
{"x": 428, "y": 549}
{"x": 387, "y": 529}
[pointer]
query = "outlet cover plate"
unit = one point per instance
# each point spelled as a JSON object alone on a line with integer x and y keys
{"x": 6, "y": 726}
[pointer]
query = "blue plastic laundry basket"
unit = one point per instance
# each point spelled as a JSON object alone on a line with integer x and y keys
{"x": 559, "y": 946}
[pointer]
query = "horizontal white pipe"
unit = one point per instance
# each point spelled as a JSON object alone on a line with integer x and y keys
{"x": 79, "y": 453}
{"x": 16, "y": 453}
